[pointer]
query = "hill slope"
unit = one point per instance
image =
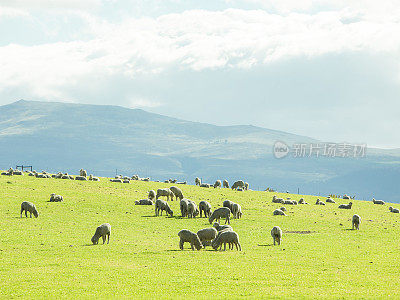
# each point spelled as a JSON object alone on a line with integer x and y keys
{"x": 102, "y": 139}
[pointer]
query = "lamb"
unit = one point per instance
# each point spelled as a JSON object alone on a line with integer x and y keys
{"x": 197, "y": 181}
{"x": 165, "y": 192}
{"x": 103, "y": 231}
{"x": 162, "y": 205}
{"x": 205, "y": 207}
{"x": 186, "y": 236}
{"x": 217, "y": 184}
{"x": 28, "y": 206}
{"x": 246, "y": 186}
{"x": 345, "y": 206}
{"x": 278, "y": 212}
{"x": 177, "y": 192}
{"x": 236, "y": 211}
{"x": 82, "y": 178}
{"x": 229, "y": 237}
{"x": 207, "y": 235}
{"x": 228, "y": 204}
{"x": 238, "y": 184}
{"x": 192, "y": 210}
{"x": 221, "y": 227}
{"x": 205, "y": 185}
{"x": 56, "y": 198}
{"x": 225, "y": 184}
{"x": 222, "y": 212}
{"x": 152, "y": 194}
{"x": 330, "y": 200}
{"x": 380, "y": 202}
{"x": 144, "y": 202}
{"x": 276, "y": 234}
{"x": 394, "y": 210}
{"x": 355, "y": 221}
{"x": 277, "y": 200}
{"x": 184, "y": 207}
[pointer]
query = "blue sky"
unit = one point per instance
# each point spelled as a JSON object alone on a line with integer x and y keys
{"x": 325, "y": 69}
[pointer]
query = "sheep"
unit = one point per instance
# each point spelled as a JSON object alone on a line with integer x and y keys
{"x": 277, "y": 200}
{"x": 184, "y": 207}
{"x": 319, "y": 202}
{"x": 186, "y": 236}
{"x": 152, "y": 194}
{"x": 222, "y": 212}
{"x": 283, "y": 208}
{"x": 82, "y": 173}
{"x": 276, "y": 234}
{"x": 355, "y": 221}
{"x": 177, "y": 192}
{"x": 225, "y": 237}
{"x": 205, "y": 185}
{"x": 345, "y": 206}
{"x": 181, "y": 182}
{"x": 346, "y": 197}
{"x": 289, "y": 202}
{"x": 162, "y": 205}
{"x": 56, "y": 198}
{"x": 217, "y": 184}
{"x": 116, "y": 180}
{"x": 329, "y": 200}
{"x": 380, "y": 202}
{"x": 225, "y": 184}
{"x": 301, "y": 201}
{"x": 28, "y": 206}
{"x": 246, "y": 186}
{"x": 236, "y": 211}
{"x": 192, "y": 210}
{"x": 238, "y": 184}
{"x": 207, "y": 235}
{"x": 135, "y": 177}
{"x": 394, "y": 210}
{"x": 144, "y": 202}
{"x": 278, "y": 212}
{"x": 197, "y": 181}
{"x": 205, "y": 207}
{"x": 82, "y": 178}
{"x": 228, "y": 204}
{"x": 103, "y": 231}
{"x": 165, "y": 192}
{"x": 18, "y": 172}
{"x": 147, "y": 179}
{"x": 221, "y": 227}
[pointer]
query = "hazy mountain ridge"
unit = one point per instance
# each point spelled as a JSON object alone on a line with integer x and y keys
{"x": 59, "y": 136}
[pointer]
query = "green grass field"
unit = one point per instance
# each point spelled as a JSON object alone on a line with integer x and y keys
{"x": 52, "y": 256}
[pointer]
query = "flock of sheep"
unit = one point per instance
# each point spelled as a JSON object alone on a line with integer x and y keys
{"x": 214, "y": 236}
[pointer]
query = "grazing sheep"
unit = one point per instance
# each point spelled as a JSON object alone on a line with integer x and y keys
{"x": 186, "y": 236}
{"x": 116, "y": 180}
{"x": 221, "y": 227}
{"x": 228, "y": 204}
{"x": 345, "y": 206}
{"x": 197, "y": 181}
{"x": 28, "y": 206}
{"x": 246, "y": 186}
{"x": 162, "y": 205}
{"x": 177, "y": 192}
{"x": 152, "y": 194}
{"x": 103, "y": 231}
{"x": 144, "y": 202}
{"x": 184, "y": 207}
{"x": 192, "y": 210}
{"x": 205, "y": 185}
{"x": 222, "y": 212}
{"x": 276, "y": 234}
{"x": 165, "y": 193}
{"x": 205, "y": 207}
{"x": 236, "y": 211}
{"x": 217, "y": 184}
{"x": 329, "y": 200}
{"x": 225, "y": 237}
{"x": 394, "y": 210}
{"x": 278, "y": 212}
{"x": 355, "y": 221}
{"x": 82, "y": 173}
{"x": 82, "y": 178}
{"x": 55, "y": 198}
{"x": 207, "y": 235}
{"x": 277, "y": 200}
{"x": 225, "y": 184}
{"x": 238, "y": 184}
{"x": 380, "y": 202}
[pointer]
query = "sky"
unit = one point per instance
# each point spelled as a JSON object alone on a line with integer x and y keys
{"x": 325, "y": 69}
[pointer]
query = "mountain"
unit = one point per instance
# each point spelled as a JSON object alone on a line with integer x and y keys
{"x": 107, "y": 139}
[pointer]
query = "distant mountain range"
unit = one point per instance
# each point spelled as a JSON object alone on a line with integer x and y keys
{"x": 108, "y": 139}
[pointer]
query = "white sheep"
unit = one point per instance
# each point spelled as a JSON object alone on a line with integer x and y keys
{"x": 177, "y": 192}
{"x": 161, "y": 206}
{"x": 217, "y": 184}
{"x": 225, "y": 184}
{"x": 222, "y": 212}
{"x": 165, "y": 193}
{"x": 184, "y": 207}
{"x": 236, "y": 211}
{"x": 238, "y": 184}
{"x": 152, "y": 195}
{"x": 56, "y": 198}
{"x": 205, "y": 207}
{"x": 276, "y": 234}
{"x": 355, "y": 221}
{"x": 197, "y": 181}
{"x": 28, "y": 206}
{"x": 206, "y": 235}
{"x": 186, "y": 236}
{"x": 192, "y": 210}
{"x": 346, "y": 206}
{"x": 380, "y": 202}
{"x": 394, "y": 210}
{"x": 103, "y": 231}
{"x": 278, "y": 212}
{"x": 225, "y": 237}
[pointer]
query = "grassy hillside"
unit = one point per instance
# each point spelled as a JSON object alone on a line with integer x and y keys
{"x": 52, "y": 256}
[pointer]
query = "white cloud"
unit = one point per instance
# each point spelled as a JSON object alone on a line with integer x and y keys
{"x": 11, "y": 12}
{"x": 51, "y": 4}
